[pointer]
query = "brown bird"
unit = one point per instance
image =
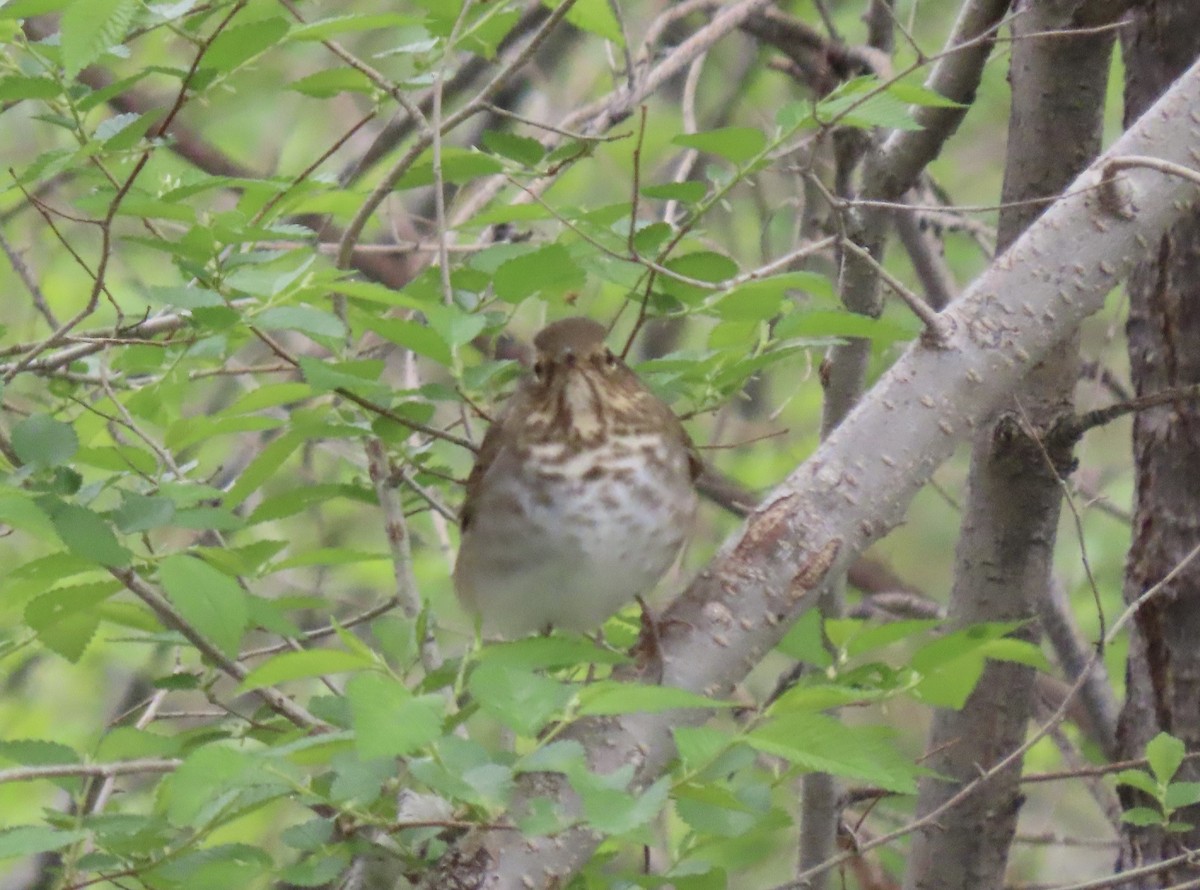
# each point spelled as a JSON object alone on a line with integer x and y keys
{"x": 581, "y": 495}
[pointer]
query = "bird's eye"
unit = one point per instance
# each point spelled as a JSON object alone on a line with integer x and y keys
{"x": 609, "y": 358}
{"x": 539, "y": 370}
{"x": 569, "y": 359}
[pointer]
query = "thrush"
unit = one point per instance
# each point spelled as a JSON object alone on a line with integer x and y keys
{"x": 581, "y": 494}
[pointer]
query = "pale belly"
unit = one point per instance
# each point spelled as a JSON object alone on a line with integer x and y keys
{"x": 570, "y": 552}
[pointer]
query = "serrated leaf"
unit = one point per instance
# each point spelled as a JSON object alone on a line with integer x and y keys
{"x": 65, "y": 619}
{"x": 238, "y": 44}
{"x": 361, "y": 376}
{"x": 204, "y": 777}
{"x": 1139, "y": 779}
{"x": 459, "y": 165}
{"x": 1142, "y": 816}
{"x": 185, "y": 297}
{"x": 699, "y": 745}
{"x": 29, "y": 840}
{"x": 323, "y": 29}
{"x": 453, "y": 325}
{"x": 304, "y": 319}
{"x": 520, "y": 699}
{"x": 1181, "y": 794}
{"x": 737, "y": 144}
{"x": 388, "y": 720}
{"x": 89, "y": 27}
{"x": 608, "y": 697}
{"x": 616, "y": 811}
{"x": 594, "y": 16}
{"x": 17, "y": 87}
{"x": 209, "y": 600}
{"x": 302, "y": 665}
{"x": 1165, "y": 754}
{"x": 820, "y": 744}
{"x": 42, "y": 441}
{"x": 548, "y": 271}
{"x": 522, "y": 149}
{"x": 88, "y": 535}
{"x": 687, "y": 192}
{"x": 411, "y": 335}
{"x": 556, "y": 651}
{"x": 37, "y": 752}
{"x": 141, "y": 512}
{"x": 265, "y": 464}
{"x": 703, "y": 265}
{"x": 333, "y": 81}
{"x": 915, "y": 94}
{"x": 839, "y": 323}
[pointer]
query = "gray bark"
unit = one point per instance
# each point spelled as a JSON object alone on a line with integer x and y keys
{"x": 1163, "y": 671}
{"x": 1005, "y": 551}
{"x": 859, "y": 482}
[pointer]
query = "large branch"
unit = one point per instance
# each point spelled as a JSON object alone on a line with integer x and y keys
{"x": 859, "y": 482}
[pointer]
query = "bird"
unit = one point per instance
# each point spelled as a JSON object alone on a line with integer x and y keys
{"x": 581, "y": 495}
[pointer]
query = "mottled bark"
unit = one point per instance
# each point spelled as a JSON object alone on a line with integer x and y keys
{"x": 1163, "y": 671}
{"x": 1005, "y": 552}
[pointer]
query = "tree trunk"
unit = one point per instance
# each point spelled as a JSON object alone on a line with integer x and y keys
{"x": 1163, "y": 670}
{"x": 1005, "y": 551}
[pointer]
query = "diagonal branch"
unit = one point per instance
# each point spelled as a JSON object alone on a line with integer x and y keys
{"x": 847, "y": 494}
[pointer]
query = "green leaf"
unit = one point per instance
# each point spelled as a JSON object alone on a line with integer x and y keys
{"x": 66, "y": 618}
{"x": 555, "y": 651}
{"x": 209, "y": 600}
{"x": 89, "y": 27}
{"x": 877, "y": 636}
{"x": 19, "y": 9}
{"x": 87, "y": 535}
{"x": 522, "y": 149}
{"x": 304, "y": 319}
{"x": 453, "y": 325}
{"x": 606, "y": 697}
{"x": 269, "y": 395}
{"x": 840, "y": 323}
{"x": 1141, "y": 780}
{"x": 459, "y": 165}
{"x": 29, "y": 840}
{"x": 1182, "y": 794}
{"x": 42, "y": 441}
{"x": 549, "y": 271}
{"x": 389, "y": 721}
{"x": 915, "y": 94}
{"x": 239, "y": 44}
{"x": 360, "y": 376}
{"x": 301, "y": 665}
{"x": 687, "y": 192}
{"x": 265, "y": 464}
{"x": 737, "y": 144}
{"x": 595, "y": 16}
{"x": 37, "y": 752}
{"x": 699, "y": 746}
{"x": 213, "y": 868}
{"x": 141, "y": 512}
{"x": 332, "y": 81}
{"x": 520, "y": 699}
{"x": 616, "y": 811}
{"x": 16, "y": 87}
{"x": 203, "y": 779}
{"x": 412, "y": 335}
{"x": 821, "y": 744}
{"x": 1142, "y": 816}
{"x": 323, "y": 29}
{"x": 703, "y": 265}
{"x": 1165, "y": 754}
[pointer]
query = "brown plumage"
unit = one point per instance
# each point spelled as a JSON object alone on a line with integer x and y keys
{"x": 580, "y": 495}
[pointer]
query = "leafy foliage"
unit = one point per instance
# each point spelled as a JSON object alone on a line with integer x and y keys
{"x": 232, "y": 296}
